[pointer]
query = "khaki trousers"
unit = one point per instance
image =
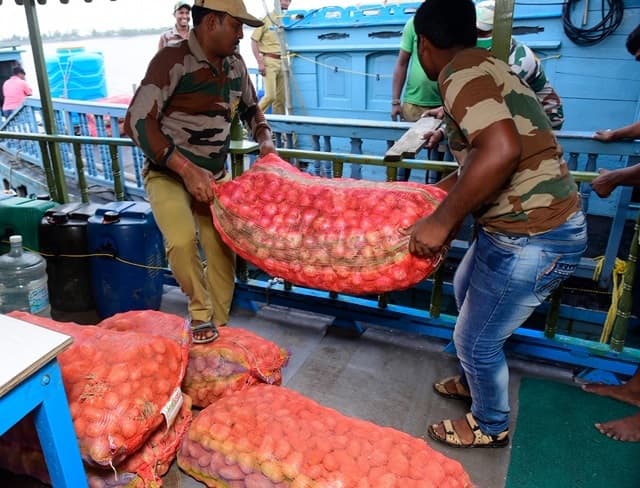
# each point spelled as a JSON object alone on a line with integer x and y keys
{"x": 273, "y": 86}
{"x": 183, "y": 223}
{"x": 411, "y": 112}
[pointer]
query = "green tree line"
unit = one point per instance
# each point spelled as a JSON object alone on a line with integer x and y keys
{"x": 75, "y": 35}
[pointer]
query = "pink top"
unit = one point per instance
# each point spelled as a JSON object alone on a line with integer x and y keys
{"x": 14, "y": 90}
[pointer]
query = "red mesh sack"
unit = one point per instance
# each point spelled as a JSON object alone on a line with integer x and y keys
{"x": 154, "y": 322}
{"x": 20, "y": 453}
{"x": 145, "y": 468}
{"x": 341, "y": 235}
{"x": 270, "y": 436}
{"x": 236, "y": 360}
{"x": 120, "y": 386}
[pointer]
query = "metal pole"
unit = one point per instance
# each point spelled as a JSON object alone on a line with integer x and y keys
{"x": 45, "y": 98}
{"x": 502, "y": 25}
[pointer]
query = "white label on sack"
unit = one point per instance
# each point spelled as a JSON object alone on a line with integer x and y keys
{"x": 171, "y": 409}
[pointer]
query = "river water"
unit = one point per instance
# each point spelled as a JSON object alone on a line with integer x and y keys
{"x": 125, "y": 58}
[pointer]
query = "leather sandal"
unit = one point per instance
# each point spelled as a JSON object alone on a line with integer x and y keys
{"x": 461, "y": 391}
{"x": 480, "y": 439}
{"x": 204, "y": 327}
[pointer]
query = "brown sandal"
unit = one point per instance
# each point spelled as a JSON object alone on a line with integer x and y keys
{"x": 461, "y": 391}
{"x": 207, "y": 329}
{"x": 451, "y": 437}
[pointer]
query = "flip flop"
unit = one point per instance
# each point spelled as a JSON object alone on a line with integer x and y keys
{"x": 205, "y": 326}
{"x": 461, "y": 393}
{"x": 480, "y": 439}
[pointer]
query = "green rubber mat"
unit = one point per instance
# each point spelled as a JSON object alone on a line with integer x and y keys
{"x": 557, "y": 446}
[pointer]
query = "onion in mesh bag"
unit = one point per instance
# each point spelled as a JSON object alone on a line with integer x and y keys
{"x": 341, "y": 235}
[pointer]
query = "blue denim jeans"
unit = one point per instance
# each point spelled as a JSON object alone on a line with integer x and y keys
{"x": 498, "y": 285}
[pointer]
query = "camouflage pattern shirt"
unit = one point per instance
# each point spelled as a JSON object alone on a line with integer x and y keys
{"x": 527, "y": 66}
{"x": 170, "y": 37}
{"x": 184, "y": 104}
{"x": 479, "y": 90}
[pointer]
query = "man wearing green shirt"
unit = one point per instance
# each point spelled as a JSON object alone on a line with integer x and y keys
{"x": 420, "y": 93}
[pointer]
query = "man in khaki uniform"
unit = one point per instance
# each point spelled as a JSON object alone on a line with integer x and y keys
{"x": 266, "y": 49}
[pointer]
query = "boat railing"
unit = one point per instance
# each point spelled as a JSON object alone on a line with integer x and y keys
{"x": 105, "y": 159}
{"x": 93, "y": 152}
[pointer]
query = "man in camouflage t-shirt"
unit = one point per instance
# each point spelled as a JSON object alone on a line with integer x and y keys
{"x": 512, "y": 178}
{"x": 523, "y": 62}
{"x": 181, "y": 118}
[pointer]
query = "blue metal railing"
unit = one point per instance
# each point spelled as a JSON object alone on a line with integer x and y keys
{"x": 90, "y": 141}
{"x": 99, "y": 159}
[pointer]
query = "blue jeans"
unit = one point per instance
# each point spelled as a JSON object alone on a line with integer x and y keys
{"x": 498, "y": 285}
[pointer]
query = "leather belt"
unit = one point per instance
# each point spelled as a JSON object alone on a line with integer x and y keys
{"x": 271, "y": 55}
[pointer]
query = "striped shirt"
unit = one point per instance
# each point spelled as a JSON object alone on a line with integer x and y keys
{"x": 183, "y": 103}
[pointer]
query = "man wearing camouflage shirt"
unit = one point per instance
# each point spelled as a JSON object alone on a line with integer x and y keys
{"x": 181, "y": 118}
{"x": 531, "y": 231}
{"x": 523, "y": 62}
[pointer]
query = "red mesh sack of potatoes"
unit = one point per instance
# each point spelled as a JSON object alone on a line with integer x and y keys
{"x": 20, "y": 453}
{"x": 341, "y": 235}
{"x": 121, "y": 386}
{"x": 236, "y": 360}
{"x": 270, "y": 436}
{"x": 163, "y": 324}
{"x": 145, "y": 467}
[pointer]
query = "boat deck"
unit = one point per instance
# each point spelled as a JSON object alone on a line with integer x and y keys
{"x": 383, "y": 376}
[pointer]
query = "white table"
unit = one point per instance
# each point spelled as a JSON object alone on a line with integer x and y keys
{"x": 30, "y": 381}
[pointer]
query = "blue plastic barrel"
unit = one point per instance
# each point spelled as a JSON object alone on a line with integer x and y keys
{"x": 64, "y": 53}
{"x": 87, "y": 79}
{"x": 56, "y": 77}
{"x": 76, "y": 74}
{"x": 127, "y": 278}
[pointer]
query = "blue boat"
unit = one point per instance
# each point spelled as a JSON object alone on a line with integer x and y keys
{"x": 342, "y": 60}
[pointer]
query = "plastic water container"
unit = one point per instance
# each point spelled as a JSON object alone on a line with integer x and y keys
{"x": 127, "y": 267}
{"x": 76, "y": 74}
{"x": 87, "y": 80}
{"x": 56, "y": 77}
{"x": 23, "y": 281}
{"x": 65, "y": 245}
{"x": 21, "y": 216}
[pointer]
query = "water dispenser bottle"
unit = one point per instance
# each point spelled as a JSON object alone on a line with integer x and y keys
{"x": 23, "y": 281}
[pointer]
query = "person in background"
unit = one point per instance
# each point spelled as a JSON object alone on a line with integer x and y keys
{"x": 180, "y": 31}
{"x": 180, "y": 117}
{"x": 531, "y": 231}
{"x": 420, "y": 94}
{"x": 265, "y": 45}
{"x": 627, "y": 428}
{"x": 14, "y": 91}
{"x": 523, "y": 62}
